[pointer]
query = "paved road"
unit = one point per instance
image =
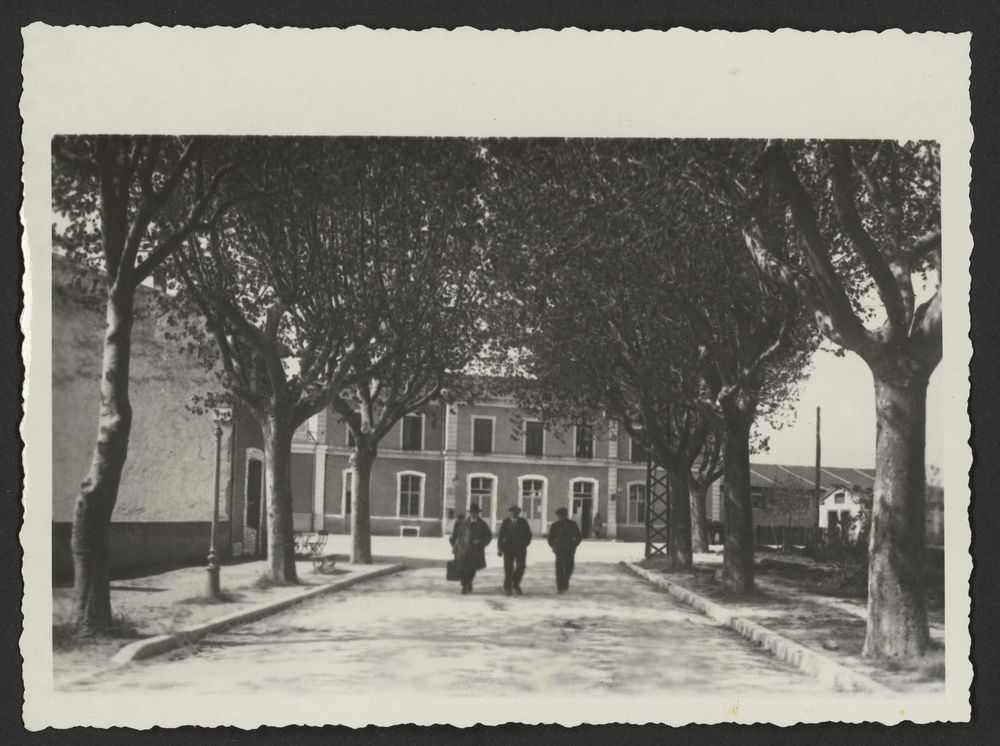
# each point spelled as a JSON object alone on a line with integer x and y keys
{"x": 611, "y": 633}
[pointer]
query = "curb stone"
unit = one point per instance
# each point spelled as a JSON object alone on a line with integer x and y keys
{"x": 822, "y": 667}
{"x": 153, "y": 646}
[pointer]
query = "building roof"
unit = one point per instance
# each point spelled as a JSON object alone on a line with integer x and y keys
{"x": 803, "y": 477}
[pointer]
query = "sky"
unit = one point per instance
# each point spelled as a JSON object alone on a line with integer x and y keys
{"x": 842, "y": 387}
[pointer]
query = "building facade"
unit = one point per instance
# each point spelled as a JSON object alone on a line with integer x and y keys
{"x": 434, "y": 463}
{"x": 783, "y": 495}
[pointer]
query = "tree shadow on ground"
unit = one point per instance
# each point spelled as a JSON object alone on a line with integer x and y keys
{"x": 410, "y": 562}
{"x": 226, "y": 597}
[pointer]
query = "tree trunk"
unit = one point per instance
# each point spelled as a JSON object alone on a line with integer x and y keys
{"x": 680, "y": 518}
{"x": 699, "y": 516}
{"x": 738, "y": 551}
{"x": 362, "y": 460}
{"x": 99, "y": 491}
{"x": 897, "y": 615}
{"x": 262, "y": 531}
{"x": 278, "y": 431}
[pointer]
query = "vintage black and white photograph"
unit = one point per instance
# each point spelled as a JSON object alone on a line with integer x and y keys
{"x": 486, "y": 415}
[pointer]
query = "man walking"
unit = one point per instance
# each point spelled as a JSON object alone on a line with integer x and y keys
{"x": 512, "y": 545}
{"x": 469, "y": 538}
{"x": 564, "y": 538}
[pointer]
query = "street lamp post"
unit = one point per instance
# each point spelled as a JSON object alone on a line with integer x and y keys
{"x": 214, "y": 586}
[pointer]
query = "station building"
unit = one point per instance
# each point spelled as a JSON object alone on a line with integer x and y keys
{"x": 434, "y": 463}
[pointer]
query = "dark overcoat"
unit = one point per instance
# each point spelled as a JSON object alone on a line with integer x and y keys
{"x": 515, "y": 533}
{"x": 470, "y": 538}
{"x": 564, "y": 536}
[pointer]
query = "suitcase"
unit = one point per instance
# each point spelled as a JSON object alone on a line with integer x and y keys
{"x": 452, "y": 571}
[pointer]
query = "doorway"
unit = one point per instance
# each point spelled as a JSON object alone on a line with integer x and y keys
{"x": 482, "y": 491}
{"x": 583, "y": 507}
{"x": 254, "y": 518}
{"x": 532, "y": 504}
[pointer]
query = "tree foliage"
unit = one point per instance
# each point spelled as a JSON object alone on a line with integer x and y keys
{"x": 281, "y": 285}
{"x": 432, "y": 273}
{"x": 420, "y": 218}
{"x": 123, "y": 204}
{"x": 633, "y": 297}
{"x": 852, "y": 226}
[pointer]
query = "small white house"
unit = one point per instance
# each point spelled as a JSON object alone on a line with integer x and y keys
{"x": 839, "y": 511}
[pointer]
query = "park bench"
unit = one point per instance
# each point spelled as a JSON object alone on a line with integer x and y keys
{"x": 311, "y": 545}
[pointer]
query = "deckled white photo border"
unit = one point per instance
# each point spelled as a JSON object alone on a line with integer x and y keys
{"x": 680, "y": 83}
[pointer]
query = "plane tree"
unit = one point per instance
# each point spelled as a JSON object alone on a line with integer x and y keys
{"x": 291, "y": 302}
{"x": 420, "y": 219}
{"x": 755, "y": 342}
{"x": 124, "y": 205}
{"x": 857, "y": 237}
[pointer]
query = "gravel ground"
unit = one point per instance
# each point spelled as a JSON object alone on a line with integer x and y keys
{"x": 167, "y": 602}
{"x": 414, "y": 632}
{"x": 832, "y": 627}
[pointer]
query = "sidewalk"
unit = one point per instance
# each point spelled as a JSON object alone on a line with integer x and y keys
{"x": 826, "y": 626}
{"x": 170, "y": 602}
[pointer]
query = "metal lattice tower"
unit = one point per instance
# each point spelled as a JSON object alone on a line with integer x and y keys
{"x": 657, "y": 509}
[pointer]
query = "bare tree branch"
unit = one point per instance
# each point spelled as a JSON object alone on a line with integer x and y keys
{"x": 65, "y": 155}
{"x": 754, "y": 368}
{"x": 925, "y": 340}
{"x": 192, "y": 225}
{"x": 835, "y": 301}
{"x": 929, "y": 243}
{"x": 842, "y": 188}
{"x": 176, "y": 171}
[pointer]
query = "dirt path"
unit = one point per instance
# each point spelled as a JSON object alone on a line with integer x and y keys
{"x": 413, "y": 631}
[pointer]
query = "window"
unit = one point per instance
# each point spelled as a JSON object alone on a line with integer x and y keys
{"x": 481, "y": 493}
{"x": 839, "y": 498}
{"x": 638, "y": 452}
{"x": 413, "y": 432}
{"x": 534, "y": 438}
{"x": 482, "y": 435}
{"x": 757, "y": 499}
{"x": 636, "y": 503}
{"x": 583, "y": 490}
{"x": 584, "y": 441}
{"x": 410, "y": 488}
{"x": 348, "y": 490}
{"x": 409, "y": 530}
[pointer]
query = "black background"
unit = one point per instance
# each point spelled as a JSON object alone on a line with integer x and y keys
{"x": 981, "y": 18}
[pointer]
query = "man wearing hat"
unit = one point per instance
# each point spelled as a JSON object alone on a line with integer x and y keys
{"x": 469, "y": 538}
{"x": 512, "y": 545}
{"x": 564, "y": 538}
